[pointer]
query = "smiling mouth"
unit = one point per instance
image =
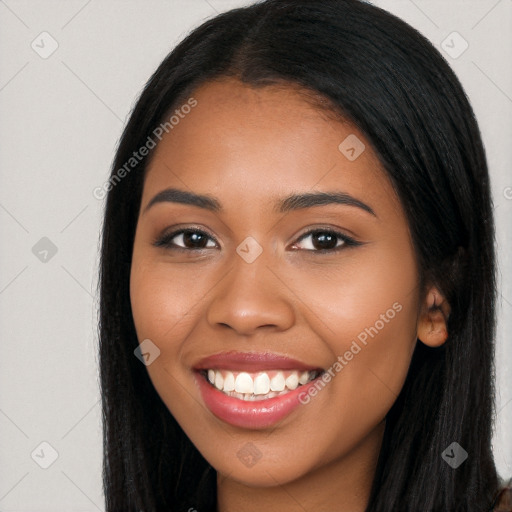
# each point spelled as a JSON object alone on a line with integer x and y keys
{"x": 262, "y": 385}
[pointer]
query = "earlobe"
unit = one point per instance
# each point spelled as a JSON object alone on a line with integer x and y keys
{"x": 433, "y": 319}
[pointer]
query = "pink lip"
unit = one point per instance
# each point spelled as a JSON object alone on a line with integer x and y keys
{"x": 249, "y": 414}
{"x": 251, "y": 361}
{"x": 256, "y": 414}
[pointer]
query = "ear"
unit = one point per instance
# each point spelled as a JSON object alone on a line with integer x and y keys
{"x": 432, "y": 321}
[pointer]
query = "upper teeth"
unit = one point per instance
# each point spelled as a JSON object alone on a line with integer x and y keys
{"x": 260, "y": 383}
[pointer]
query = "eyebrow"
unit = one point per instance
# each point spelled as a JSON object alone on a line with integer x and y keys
{"x": 289, "y": 203}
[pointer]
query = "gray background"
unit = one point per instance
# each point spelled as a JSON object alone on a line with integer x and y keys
{"x": 62, "y": 115}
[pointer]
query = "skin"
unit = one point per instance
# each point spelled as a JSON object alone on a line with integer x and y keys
{"x": 248, "y": 148}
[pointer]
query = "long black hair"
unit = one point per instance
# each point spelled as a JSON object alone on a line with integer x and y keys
{"x": 376, "y": 71}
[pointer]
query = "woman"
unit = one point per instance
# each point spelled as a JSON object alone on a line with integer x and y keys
{"x": 297, "y": 274}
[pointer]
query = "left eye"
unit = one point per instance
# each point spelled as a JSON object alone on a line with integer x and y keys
{"x": 321, "y": 240}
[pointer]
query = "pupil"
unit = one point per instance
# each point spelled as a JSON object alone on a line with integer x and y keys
{"x": 326, "y": 241}
{"x": 193, "y": 238}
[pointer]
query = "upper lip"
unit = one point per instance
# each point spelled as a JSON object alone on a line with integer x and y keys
{"x": 252, "y": 361}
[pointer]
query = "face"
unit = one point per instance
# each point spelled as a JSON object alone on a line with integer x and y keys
{"x": 303, "y": 312}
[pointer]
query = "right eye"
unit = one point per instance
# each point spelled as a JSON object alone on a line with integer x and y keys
{"x": 185, "y": 240}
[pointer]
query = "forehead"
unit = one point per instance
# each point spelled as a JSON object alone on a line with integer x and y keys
{"x": 254, "y": 145}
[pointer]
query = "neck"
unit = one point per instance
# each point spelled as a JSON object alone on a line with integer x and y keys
{"x": 343, "y": 484}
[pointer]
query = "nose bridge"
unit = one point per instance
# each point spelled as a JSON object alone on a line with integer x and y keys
{"x": 250, "y": 295}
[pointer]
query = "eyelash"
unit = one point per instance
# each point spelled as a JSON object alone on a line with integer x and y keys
{"x": 165, "y": 240}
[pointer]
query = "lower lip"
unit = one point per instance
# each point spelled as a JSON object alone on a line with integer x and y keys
{"x": 256, "y": 414}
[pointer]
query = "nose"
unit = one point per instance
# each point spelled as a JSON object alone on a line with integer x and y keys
{"x": 251, "y": 296}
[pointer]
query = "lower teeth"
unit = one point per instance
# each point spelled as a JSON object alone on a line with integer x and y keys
{"x": 250, "y": 397}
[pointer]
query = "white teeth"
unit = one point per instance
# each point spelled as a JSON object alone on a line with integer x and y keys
{"x": 229, "y": 382}
{"x": 261, "y": 384}
{"x": 219, "y": 381}
{"x": 258, "y": 386}
{"x": 304, "y": 377}
{"x": 277, "y": 383}
{"x": 292, "y": 381}
{"x": 244, "y": 383}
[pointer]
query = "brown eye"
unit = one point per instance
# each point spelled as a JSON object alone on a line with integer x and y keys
{"x": 186, "y": 239}
{"x": 322, "y": 240}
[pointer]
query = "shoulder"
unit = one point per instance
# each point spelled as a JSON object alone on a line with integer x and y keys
{"x": 503, "y": 501}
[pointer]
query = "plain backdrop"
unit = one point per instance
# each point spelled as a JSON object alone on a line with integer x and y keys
{"x": 70, "y": 73}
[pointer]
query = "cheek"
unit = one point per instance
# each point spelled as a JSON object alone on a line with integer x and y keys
{"x": 164, "y": 307}
{"x": 369, "y": 329}
{"x": 164, "y": 301}
{"x": 367, "y": 309}
{"x": 365, "y": 294}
